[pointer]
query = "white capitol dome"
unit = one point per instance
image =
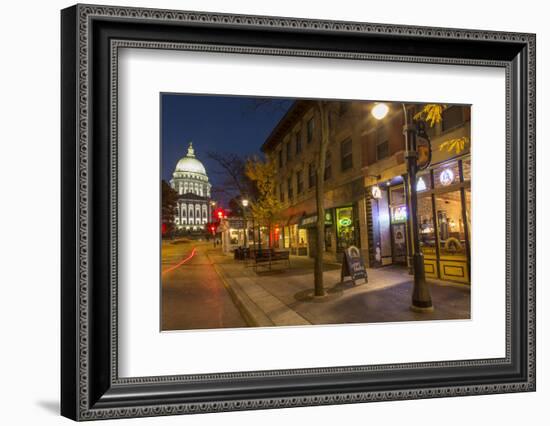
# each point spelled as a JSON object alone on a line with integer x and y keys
{"x": 189, "y": 163}
{"x": 190, "y": 181}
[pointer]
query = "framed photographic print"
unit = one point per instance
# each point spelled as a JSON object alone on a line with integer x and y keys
{"x": 263, "y": 212}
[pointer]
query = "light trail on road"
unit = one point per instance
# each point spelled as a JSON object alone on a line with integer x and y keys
{"x": 171, "y": 268}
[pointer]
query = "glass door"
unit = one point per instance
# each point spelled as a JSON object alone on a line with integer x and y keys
{"x": 399, "y": 243}
{"x": 398, "y": 217}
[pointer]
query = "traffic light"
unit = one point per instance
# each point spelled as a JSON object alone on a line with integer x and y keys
{"x": 219, "y": 214}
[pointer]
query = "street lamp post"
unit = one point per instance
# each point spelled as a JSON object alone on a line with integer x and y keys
{"x": 421, "y": 299}
{"x": 245, "y": 205}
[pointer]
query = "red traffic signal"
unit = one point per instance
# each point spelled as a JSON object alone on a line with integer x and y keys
{"x": 212, "y": 227}
{"x": 219, "y": 214}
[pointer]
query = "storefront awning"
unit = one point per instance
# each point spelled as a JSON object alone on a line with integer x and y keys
{"x": 294, "y": 219}
{"x": 310, "y": 221}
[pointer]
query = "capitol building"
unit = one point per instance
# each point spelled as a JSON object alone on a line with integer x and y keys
{"x": 191, "y": 183}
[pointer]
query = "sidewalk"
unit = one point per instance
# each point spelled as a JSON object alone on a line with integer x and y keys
{"x": 284, "y": 297}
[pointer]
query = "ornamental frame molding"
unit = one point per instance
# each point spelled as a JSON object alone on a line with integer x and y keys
{"x": 86, "y": 13}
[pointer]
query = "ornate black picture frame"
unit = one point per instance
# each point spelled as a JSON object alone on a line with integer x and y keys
{"x": 91, "y": 37}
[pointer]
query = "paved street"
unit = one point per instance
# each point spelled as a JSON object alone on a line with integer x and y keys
{"x": 203, "y": 288}
{"x": 193, "y": 294}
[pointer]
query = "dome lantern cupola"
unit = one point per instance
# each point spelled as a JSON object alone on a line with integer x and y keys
{"x": 189, "y": 163}
{"x": 190, "y": 150}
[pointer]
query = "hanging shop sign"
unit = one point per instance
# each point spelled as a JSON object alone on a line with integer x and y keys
{"x": 446, "y": 177}
{"x": 376, "y": 192}
{"x": 353, "y": 265}
{"x": 398, "y": 214}
{"x": 423, "y": 147}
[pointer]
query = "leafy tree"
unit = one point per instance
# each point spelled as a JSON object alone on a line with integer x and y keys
{"x": 457, "y": 144}
{"x": 168, "y": 207}
{"x": 433, "y": 114}
{"x": 266, "y": 206}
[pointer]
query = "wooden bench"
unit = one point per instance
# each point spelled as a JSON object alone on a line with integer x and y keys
{"x": 268, "y": 257}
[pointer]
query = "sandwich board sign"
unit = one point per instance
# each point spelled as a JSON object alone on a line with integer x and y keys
{"x": 353, "y": 265}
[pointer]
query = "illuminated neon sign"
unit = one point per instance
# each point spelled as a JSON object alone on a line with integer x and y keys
{"x": 399, "y": 214}
{"x": 420, "y": 185}
{"x": 376, "y": 192}
{"x": 446, "y": 177}
{"x": 345, "y": 221}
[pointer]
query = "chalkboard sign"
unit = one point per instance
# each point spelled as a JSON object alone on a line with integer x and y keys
{"x": 353, "y": 265}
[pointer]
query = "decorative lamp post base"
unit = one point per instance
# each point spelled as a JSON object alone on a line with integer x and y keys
{"x": 421, "y": 299}
{"x": 421, "y": 310}
{"x": 410, "y": 268}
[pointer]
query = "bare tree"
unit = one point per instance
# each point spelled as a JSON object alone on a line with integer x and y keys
{"x": 323, "y": 108}
{"x": 232, "y": 165}
{"x": 269, "y": 105}
{"x": 237, "y": 182}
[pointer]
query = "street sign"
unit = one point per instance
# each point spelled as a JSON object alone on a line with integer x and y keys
{"x": 423, "y": 147}
{"x": 353, "y": 265}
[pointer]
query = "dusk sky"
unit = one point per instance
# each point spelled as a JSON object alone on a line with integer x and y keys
{"x": 214, "y": 123}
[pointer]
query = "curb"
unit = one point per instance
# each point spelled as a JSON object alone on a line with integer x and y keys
{"x": 251, "y": 313}
{"x": 244, "y": 311}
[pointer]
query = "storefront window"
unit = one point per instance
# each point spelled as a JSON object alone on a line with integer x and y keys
{"x": 302, "y": 237}
{"x": 345, "y": 231}
{"x": 468, "y": 197}
{"x": 286, "y": 236}
{"x": 450, "y": 225}
{"x": 234, "y": 236}
{"x": 446, "y": 175}
{"x": 426, "y": 226}
{"x": 466, "y": 169}
{"x": 293, "y": 235}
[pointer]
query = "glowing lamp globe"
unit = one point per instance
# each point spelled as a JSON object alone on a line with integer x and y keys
{"x": 380, "y": 110}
